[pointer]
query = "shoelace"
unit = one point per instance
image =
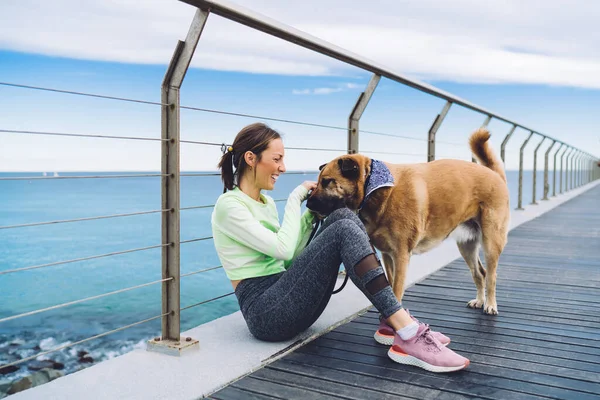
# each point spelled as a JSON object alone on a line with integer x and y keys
{"x": 428, "y": 337}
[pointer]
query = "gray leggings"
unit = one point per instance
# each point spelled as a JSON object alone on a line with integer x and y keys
{"x": 278, "y": 307}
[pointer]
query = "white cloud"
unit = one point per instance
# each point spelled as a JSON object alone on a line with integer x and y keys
{"x": 327, "y": 90}
{"x": 302, "y": 92}
{"x": 465, "y": 40}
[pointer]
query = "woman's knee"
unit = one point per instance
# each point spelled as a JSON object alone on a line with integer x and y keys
{"x": 342, "y": 213}
{"x": 345, "y": 214}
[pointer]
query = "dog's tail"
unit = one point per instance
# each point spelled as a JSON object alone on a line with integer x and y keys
{"x": 482, "y": 151}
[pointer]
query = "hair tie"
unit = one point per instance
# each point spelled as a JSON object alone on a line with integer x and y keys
{"x": 226, "y": 149}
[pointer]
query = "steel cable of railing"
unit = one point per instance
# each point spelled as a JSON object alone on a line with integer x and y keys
{"x": 10, "y": 271}
{"x": 208, "y": 110}
{"x": 212, "y": 205}
{"x": 201, "y": 271}
{"x": 219, "y": 174}
{"x": 409, "y": 137}
{"x": 195, "y": 240}
{"x": 82, "y": 94}
{"x": 83, "y": 219}
{"x": 206, "y": 301}
{"x": 83, "y": 341}
{"x": 28, "y": 178}
{"x": 81, "y": 135}
{"x": 70, "y": 303}
{"x": 390, "y": 153}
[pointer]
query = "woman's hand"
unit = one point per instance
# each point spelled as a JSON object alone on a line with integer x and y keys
{"x": 310, "y": 185}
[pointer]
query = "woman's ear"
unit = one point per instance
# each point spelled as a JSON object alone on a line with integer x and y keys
{"x": 250, "y": 158}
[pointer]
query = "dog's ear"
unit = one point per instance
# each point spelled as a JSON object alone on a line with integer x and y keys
{"x": 322, "y": 166}
{"x": 349, "y": 168}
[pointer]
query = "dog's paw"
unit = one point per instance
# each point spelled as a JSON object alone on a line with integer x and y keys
{"x": 475, "y": 304}
{"x": 491, "y": 310}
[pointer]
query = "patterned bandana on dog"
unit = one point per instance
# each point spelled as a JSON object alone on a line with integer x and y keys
{"x": 379, "y": 177}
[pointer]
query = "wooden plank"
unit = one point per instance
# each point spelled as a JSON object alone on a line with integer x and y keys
{"x": 233, "y": 393}
{"x": 378, "y": 387}
{"x": 326, "y": 387}
{"x": 280, "y": 390}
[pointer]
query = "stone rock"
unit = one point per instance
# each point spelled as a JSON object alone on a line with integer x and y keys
{"x": 4, "y": 386}
{"x": 38, "y": 378}
{"x": 20, "y": 385}
{"x": 86, "y": 360}
{"x": 8, "y": 370}
{"x": 82, "y": 353}
{"x": 39, "y": 365}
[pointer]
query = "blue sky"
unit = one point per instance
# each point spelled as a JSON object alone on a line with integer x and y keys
{"x": 258, "y": 75}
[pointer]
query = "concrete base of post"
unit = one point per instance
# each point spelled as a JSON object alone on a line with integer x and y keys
{"x": 172, "y": 347}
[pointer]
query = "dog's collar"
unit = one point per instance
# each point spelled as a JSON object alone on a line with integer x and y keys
{"x": 380, "y": 176}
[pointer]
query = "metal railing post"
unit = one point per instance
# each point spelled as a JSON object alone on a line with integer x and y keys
{"x": 546, "y": 184}
{"x": 486, "y": 122}
{"x": 582, "y": 168}
{"x": 586, "y": 169}
{"x": 169, "y": 342}
{"x": 573, "y": 166}
{"x": 567, "y": 149}
{"x": 572, "y": 175}
{"x": 357, "y": 111}
{"x": 586, "y": 174}
{"x": 520, "y": 203}
{"x": 578, "y": 171}
{"x": 554, "y": 175}
{"x": 535, "y": 169}
{"x": 505, "y": 141}
{"x": 571, "y": 149}
{"x": 437, "y": 122}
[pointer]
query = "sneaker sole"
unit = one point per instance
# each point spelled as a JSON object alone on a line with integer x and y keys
{"x": 388, "y": 340}
{"x": 406, "y": 359}
{"x": 382, "y": 338}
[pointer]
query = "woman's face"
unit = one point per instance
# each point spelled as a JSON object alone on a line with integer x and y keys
{"x": 270, "y": 166}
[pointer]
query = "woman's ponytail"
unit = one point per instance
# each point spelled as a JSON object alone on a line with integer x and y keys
{"x": 226, "y": 167}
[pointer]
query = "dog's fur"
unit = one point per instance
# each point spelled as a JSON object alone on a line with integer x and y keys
{"x": 428, "y": 203}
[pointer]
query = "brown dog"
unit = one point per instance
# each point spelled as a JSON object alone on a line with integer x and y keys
{"x": 425, "y": 204}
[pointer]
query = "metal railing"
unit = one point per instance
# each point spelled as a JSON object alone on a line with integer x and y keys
{"x": 580, "y": 167}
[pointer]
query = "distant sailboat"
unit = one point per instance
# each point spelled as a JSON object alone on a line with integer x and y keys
{"x": 45, "y": 174}
{"x": 56, "y": 174}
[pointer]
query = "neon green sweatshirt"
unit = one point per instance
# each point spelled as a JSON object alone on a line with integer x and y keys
{"x": 247, "y": 235}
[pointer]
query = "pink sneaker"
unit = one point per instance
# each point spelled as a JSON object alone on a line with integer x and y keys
{"x": 424, "y": 351}
{"x": 385, "y": 333}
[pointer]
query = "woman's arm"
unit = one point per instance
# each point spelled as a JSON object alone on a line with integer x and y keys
{"x": 306, "y": 227}
{"x": 235, "y": 220}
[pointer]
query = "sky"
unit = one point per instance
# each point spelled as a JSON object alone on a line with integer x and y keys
{"x": 533, "y": 62}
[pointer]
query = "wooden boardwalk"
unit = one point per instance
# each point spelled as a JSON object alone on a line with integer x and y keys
{"x": 545, "y": 343}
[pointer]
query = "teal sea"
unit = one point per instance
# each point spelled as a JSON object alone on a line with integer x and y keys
{"x": 30, "y": 201}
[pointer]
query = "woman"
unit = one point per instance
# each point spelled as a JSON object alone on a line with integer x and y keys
{"x": 283, "y": 285}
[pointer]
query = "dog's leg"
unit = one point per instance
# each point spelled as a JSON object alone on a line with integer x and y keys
{"x": 470, "y": 252}
{"x": 400, "y": 262}
{"x": 388, "y": 264}
{"x": 494, "y": 234}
